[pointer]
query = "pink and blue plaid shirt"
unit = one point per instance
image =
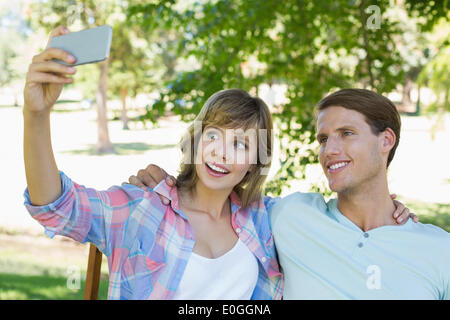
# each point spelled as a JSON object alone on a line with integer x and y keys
{"x": 147, "y": 243}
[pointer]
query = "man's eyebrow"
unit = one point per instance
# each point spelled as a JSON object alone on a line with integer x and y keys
{"x": 320, "y": 136}
{"x": 346, "y": 127}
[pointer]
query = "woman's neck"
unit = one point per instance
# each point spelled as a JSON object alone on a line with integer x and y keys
{"x": 206, "y": 200}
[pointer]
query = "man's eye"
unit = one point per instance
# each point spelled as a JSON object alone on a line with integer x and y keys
{"x": 348, "y": 133}
{"x": 323, "y": 140}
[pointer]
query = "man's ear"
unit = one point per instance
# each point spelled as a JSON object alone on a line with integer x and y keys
{"x": 388, "y": 139}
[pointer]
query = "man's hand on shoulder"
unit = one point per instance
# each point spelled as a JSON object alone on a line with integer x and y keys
{"x": 150, "y": 177}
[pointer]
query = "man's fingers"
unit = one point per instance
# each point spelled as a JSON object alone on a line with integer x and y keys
{"x": 155, "y": 172}
{"x": 393, "y": 196}
{"x": 399, "y": 208}
{"x": 147, "y": 179}
{"x": 414, "y": 217}
{"x": 137, "y": 182}
{"x": 403, "y": 216}
{"x": 171, "y": 181}
{"x": 164, "y": 200}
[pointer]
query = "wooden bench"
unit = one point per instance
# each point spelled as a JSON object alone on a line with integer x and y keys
{"x": 93, "y": 273}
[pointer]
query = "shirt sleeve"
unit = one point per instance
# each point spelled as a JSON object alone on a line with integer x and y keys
{"x": 87, "y": 215}
{"x": 269, "y": 202}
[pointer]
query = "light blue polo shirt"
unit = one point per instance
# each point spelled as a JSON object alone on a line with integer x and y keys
{"x": 324, "y": 255}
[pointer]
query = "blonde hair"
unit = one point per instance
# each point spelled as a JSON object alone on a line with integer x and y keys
{"x": 233, "y": 109}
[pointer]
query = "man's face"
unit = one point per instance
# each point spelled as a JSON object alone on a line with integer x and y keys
{"x": 350, "y": 153}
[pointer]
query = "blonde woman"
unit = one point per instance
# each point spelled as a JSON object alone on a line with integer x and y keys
{"x": 213, "y": 241}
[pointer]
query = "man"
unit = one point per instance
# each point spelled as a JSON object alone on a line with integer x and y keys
{"x": 351, "y": 247}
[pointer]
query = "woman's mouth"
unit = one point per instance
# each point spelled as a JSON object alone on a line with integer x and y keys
{"x": 215, "y": 170}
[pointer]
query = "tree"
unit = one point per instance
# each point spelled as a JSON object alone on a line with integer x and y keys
{"x": 436, "y": 73}
{"x": 12, "y": 41}
{"x": 83, "y": 14}
{"x": 311, "y": 47}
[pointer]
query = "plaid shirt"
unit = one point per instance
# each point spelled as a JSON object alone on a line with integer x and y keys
{"x": 148, "y": 244}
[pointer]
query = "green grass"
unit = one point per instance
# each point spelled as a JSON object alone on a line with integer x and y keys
{"x": 428, "y": 212}
{"x": 42, "y": 287}
{"x": 30, "y": 269}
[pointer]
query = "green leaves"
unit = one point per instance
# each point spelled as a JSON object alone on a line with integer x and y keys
{"x": 310, "y": 47}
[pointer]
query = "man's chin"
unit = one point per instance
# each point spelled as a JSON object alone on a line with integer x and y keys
{"x": 338, "y": 188}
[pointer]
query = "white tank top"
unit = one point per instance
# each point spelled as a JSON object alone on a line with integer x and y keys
{"x": 232, "y": 276}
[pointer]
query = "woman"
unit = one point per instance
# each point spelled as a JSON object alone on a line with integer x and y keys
{"x": 212, "y": 242}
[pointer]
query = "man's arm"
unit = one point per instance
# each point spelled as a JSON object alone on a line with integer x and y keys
{"x": 152, "y": 175}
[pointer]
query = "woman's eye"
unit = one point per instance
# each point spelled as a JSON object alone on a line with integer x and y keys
{"x": 212, "y": 136}
{"x": 348, "y": 133}
{"x": 240, "y": 145}
{"x": 323, "y": 140}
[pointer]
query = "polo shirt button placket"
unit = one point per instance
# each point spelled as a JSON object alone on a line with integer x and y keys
{"x": 366, "y": 236}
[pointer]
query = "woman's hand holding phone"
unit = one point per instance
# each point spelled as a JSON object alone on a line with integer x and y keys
{"x": 46, "y": 78}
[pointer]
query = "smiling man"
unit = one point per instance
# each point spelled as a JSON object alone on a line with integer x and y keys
{"x": 351, "y": 247}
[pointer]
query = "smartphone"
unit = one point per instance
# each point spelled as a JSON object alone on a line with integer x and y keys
{"x": 87, "y": 46}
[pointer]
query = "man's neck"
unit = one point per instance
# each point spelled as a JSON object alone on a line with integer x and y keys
{"x": 369, "y": 206}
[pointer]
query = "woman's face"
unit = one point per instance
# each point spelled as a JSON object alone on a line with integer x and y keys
{"x": 224, "y": 156}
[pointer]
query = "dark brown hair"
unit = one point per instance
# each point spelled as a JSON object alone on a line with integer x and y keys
{"x": 380, "y": 113}
{"x": 230, "y": 109}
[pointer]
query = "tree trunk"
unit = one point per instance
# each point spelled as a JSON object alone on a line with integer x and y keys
{"x": 366, "y": 44}
{"x": 406, "y": 103}
{"x": 104, "y": 145}
{"x": 123, "y": 94}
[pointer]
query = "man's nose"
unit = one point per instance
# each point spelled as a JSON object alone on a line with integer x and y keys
{"x": 333, "y": 146}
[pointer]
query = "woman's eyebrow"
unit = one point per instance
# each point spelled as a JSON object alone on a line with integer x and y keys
{"x": 214, "y": 128}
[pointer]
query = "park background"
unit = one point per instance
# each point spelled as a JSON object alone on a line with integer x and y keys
{"x": 168, "y": 57}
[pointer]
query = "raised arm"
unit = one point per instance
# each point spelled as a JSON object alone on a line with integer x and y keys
{"x": 44, "y": 83}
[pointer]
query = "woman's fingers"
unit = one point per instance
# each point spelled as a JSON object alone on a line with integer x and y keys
{"x": 43, "y": 77}
{"x": 58, "y": 31}
{"x": 54, "y": 53}
{"x": 51, "y": 66}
